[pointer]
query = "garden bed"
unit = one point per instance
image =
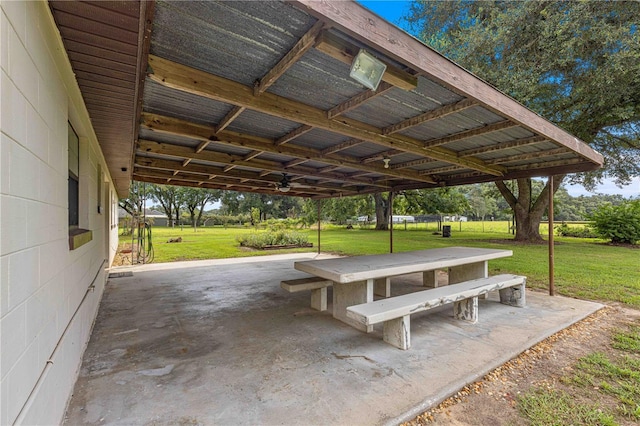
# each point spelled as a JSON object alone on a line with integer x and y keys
{"x": 286, "y": 246}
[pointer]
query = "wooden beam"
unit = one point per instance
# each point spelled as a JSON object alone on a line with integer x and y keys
{"x": 295, "y": 162}
{"x": 412, "y": 163}
{"x": 344, "y": 51}
{"x": 489, "y": 128}
{"x": 181, "y": 77}
{"x": 528, "y": 156}
{"x": 430, "y": 115}
{"x": 292, "y": 135}
{"x": 381, "y": 155}
{"x": 444, "y": 169}
{"x": 228, "y": 119}
{"x": 202, "y": 146}
{"x": 358, "y": 100}
{"x": 341, "y": 146}
{"x": 267, "y": 167}
{"x": 305, "y": 43}
{"x": 253, "y": 154}
{"x": 176, "y": 126}
{"x": 188, "y": 177}
{"x": 212, "y": 185}
{"x": 229, "y": 167}
{"x": 503, "y": 145}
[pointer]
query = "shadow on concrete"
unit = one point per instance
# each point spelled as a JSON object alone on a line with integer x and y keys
{"x": 218, "y": 342}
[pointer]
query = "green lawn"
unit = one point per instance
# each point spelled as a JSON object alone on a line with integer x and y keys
{"x": 584, "y": 268}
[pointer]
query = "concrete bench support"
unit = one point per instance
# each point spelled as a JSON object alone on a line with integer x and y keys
{"x": 318, "y": 287}
{"x": 395, "y": 312}
{"x": 382, "y": 287}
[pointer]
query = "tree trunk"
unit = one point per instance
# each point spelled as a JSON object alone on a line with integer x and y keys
{"x": 528, "y": 214}
{"x": 382, "y": 212}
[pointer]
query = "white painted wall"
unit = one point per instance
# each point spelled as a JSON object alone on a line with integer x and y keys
{"x": 44, "y": 322}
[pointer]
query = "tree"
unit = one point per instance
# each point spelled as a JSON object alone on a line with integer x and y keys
{"x": 435, "y": 201}
{"x": 383, "y": 211}
{"x": 576, "y": 63}
{"x": 167, "y": 196}
{"x": 134, "y": 203}
{"x": 195, "y": 199}
{"x": 135, "y": 200}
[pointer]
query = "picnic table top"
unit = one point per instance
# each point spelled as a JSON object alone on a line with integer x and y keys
{"x": 360, "y": 268}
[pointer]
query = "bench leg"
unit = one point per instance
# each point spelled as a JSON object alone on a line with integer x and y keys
{"x": 514, "y": 296}
{"x": 430, "y": 279}
{"x": 466, "y": 310}
{"x": 396, "y": 332}
{"x": 345, "y": 295}
{"x": 319, "y": 299}
{"x": 382, "y": 287}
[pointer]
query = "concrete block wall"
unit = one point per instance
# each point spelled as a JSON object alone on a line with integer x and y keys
{"x": 47, "y": 308}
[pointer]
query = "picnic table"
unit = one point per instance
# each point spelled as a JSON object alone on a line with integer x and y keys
{"x": 355, "y": 278}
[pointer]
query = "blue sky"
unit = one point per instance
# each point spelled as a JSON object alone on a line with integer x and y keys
{"x": 392, "y": 11}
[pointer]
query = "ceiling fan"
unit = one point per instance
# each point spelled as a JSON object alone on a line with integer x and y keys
{"x": 285, "y": 184}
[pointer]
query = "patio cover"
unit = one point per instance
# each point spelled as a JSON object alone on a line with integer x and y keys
{"x": 232, "y": 95}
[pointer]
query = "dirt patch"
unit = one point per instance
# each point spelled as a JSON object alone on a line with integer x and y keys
{"x": 493, "y": 400}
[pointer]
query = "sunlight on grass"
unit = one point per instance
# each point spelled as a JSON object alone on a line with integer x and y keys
{"x": 554, "y": 407}
{"x": 618, "y": 376}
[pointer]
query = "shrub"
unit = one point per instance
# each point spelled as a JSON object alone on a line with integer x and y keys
{"x": 565, "y": 230}
{"x": 261, "y": 240}
{"x": 619, "y": 224}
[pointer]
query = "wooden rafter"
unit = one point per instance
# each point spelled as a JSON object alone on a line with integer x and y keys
{"x": 358, "y": 100}
{"x": 528, "y": 156}
{"x": 180, "y": 127}
{"x": 253, "y": 154}
{"x": 430, "y": 115}
{"x": 295, "y": 162}
{"x": 194, "y": 178}
{"x": 213, "y": 185}
{"x": 381, "y": 155}
{"x": 305, "y": 43}
{"x": 344, "y": 51}
{"x": 299, "y": 131}
{"x": 412, "y": 163}
{"x": 267, "y": 167}
{"x": 341, "y": 146}
{"x": 504, "y": 145}
{"x": 228, "y": 119}
{"x": 202, "y": 146}
{"x": 444, "y": 169}
{"x": 489, "y": 128}
{"x": 194, "y": 81}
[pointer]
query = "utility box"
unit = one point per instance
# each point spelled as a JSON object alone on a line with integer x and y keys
{"x": 446, "y": 231}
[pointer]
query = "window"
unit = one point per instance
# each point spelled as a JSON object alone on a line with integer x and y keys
{"x": 74, "y": 173}
{"x": 77, "y": 236}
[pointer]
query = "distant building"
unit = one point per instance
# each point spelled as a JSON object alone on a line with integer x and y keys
{"x": 154, "y": 217}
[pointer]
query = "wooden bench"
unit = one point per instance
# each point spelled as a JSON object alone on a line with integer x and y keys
{"x": 318, "y": 287}
{"x": 395, "y": 312}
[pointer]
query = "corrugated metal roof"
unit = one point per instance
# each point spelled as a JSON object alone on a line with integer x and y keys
{"x": 249, "y": 90}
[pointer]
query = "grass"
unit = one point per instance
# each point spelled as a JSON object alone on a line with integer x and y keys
{"x": 556, "y": 408}
{"x": 611, "y": 381}
{"x": 584, "y": 268}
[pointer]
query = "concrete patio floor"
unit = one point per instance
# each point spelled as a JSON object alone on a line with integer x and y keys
{"x": 218, "y": 342}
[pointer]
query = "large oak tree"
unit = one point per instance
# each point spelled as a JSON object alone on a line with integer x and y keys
{"x": 576, "y": 63}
